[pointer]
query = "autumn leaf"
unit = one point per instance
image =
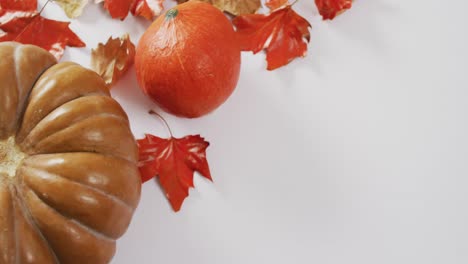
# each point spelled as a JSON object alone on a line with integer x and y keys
{"x": 18, "y": 5}
{"x": 235, "y": 7}
{"x": 117, "y": 8}
{"x": 72, "y": 8}
{"x": 275, "y": 4}
{"x": 147, "y": 8}
{"x": 20, "y": 22}
{"x": 331, "y": 8}
{"x": 173, "y": 160}
{"x": 283, "y": 34}
{"x": 112, "y": 60}
{"x": 14, "y": 18}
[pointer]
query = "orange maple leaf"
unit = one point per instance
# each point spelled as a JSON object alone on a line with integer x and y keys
{"x": 283, "y": 34}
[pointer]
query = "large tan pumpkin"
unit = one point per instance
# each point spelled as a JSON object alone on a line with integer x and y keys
{"x": 69, "y": 182}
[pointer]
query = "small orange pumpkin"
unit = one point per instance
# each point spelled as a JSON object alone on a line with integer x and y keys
{"x": 188, "y": 60}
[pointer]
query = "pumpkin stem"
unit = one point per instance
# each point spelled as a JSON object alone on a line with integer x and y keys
{"x": 172, "y": 13}
{"x": 152, "y": 112}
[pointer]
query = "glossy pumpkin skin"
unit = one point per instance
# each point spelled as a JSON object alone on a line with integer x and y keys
{"x": 188, "y": 60}
{"x": 74, "y": 193}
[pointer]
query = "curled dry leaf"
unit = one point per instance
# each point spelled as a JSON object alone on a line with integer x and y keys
{"x": 331, "y": 8}
{"x": 234, "y": 7}
{"x": 72, "y": 8}
{"x": 112, "y": 60}
{"x": 148, "y": 9}
{"x": 275, "y": 4}
{"x": 283, "y": 34}
{"x": 20, "y": 22}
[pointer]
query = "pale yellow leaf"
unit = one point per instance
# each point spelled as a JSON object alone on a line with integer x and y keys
{"x": 72, "y": 8}
{"x": 234, "y": 7}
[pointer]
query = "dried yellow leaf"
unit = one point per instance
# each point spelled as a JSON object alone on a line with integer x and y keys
{"x": 112, "y": 60}
{"x": 235, "y": 7}
{"x": 72, "y": 8}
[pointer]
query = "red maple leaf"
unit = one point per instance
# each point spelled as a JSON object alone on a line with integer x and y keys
{"x": 283, "y": 34}
{"x": 174, "y": 161}
{"x": 19, "y": 5}
{"x": 19, "y": 21}
{"x": 275, "y": 4}
{"x": 15, "y": 15}
{"x": 331, "y": 8}
{"x": 117, "y": 8}
{"x": 147, "y": 8}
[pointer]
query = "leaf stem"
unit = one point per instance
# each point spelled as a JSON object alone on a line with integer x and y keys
{"x": 293, "y": 3}
{"x": 46, "y": 3}
{"x": 152, "y": 112}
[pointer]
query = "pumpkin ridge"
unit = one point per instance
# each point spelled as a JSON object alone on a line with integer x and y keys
{"x": 61, "y": 83}
{"x": 23, "y": 102}
{"x": 32, "y": 222}
{"x": 87, "y": 228}
{"x": 71, "y": 125}
{"x": 15, "y": 225}
{"x": 7, "y": 213}
{"x": 92, "y": 98}
{"x": 132, "y": 184}
{"x": 81, "y": 223}
{"x": 20, "y": 139}
{"x": 44, "y": 146}
{"x": 97, "y": 190}
{"x": 65, "y": 67}
{"x": 80, "y": 151}
{"x": 15, "y": 61}
{"x": 107, "y": 243}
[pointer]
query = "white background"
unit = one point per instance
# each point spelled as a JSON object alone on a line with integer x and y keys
{"x": 355, "y": 154}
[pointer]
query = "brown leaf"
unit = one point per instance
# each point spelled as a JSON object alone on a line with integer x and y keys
{"x": 234, "y": 7}
{"x": 112, "y": 60}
